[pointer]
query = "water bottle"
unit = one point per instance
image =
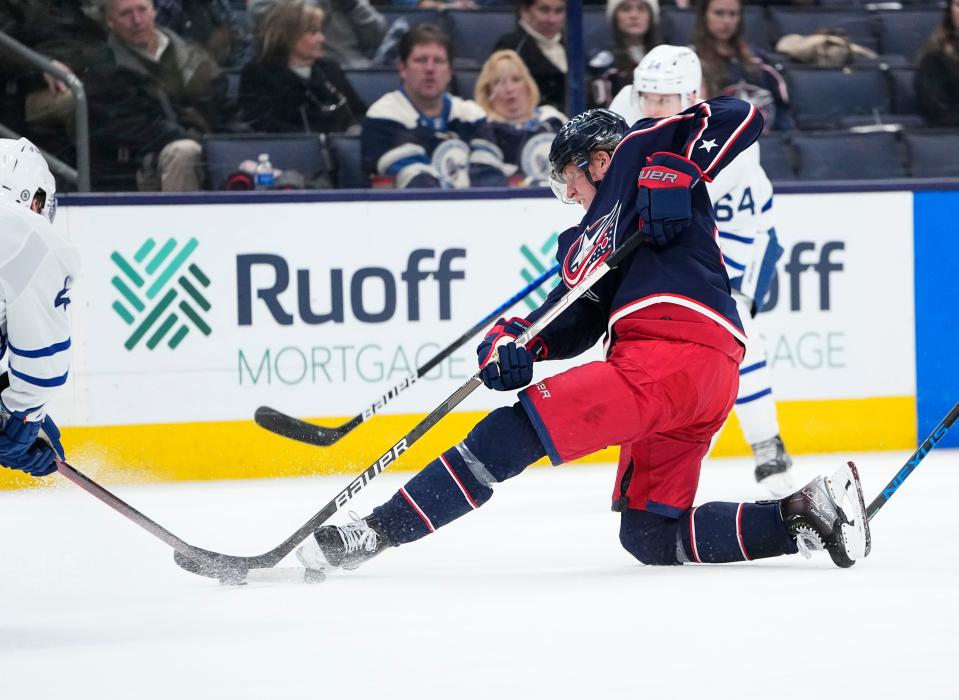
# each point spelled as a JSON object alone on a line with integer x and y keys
{"x": 263, "y": 178}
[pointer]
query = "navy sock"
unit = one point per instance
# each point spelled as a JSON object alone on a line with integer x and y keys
{"x": 460, "y": 480}
{"x": 719, "y": 532}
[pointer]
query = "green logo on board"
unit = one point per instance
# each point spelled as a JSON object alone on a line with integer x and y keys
{"x": 161, "y": 293}
{"x": 540, "y": 260}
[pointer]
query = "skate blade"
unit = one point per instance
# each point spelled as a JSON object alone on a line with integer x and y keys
{"x": 780, "y": 485}
{"x": 847, "y": 492}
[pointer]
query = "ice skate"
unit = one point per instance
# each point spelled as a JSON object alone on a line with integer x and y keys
{"x": 343, "y": 546}
{"x": 830, "y": 514}
{"x": 773, "y": 467}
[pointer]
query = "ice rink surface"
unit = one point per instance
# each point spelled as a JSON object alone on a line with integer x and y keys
{"x": 531, "y": 596}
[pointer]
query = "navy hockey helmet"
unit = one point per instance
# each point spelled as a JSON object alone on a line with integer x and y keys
{"x": 594, "y": 129}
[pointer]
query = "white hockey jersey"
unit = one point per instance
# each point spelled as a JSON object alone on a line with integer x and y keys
{"x": 37, "y": 271}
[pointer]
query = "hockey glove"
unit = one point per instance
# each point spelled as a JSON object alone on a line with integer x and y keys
{"x": 507, "y": 366}
{"x": 23, "y": 447}
{"x": 664, "y": 204}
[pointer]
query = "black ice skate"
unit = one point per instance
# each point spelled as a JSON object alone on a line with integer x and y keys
{"x": 773, "y": 466}
{"x": 343, "y": 546}
{"x": 830, "y": 514}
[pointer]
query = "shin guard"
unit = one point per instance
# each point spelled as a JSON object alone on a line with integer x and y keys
{"x": 717, "y": 532}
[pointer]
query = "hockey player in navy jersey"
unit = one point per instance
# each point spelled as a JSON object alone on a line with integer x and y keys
{"x": 666, "y": 81}
{"x": 420, "y": 135}
{"x": 37, "y": 269}
{"x": 674, "y": 343}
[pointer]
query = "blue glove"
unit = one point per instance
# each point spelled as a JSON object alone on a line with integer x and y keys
{"x": 514, "y": 369}
{"x": 664, "y": 204}
{"x": 22, "y": 448}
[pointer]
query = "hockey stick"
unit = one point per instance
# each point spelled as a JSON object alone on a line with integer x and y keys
{"x": 322, "y": 436}
{"x": 937, "y": 434}
{"x": 233, "y": 568}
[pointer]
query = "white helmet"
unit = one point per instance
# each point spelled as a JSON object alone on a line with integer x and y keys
{"x": 669, "y": 70}
{"x": 25, "y": 179}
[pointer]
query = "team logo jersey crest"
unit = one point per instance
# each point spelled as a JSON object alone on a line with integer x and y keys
{"x": 591, "y": 248}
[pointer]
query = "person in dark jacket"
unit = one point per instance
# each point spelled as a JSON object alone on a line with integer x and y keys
{"x": 152, "y": 96}
{"x": 538, "y": 40}
{"x": 937, "y": 77}
{"x": 290, "y": 86}
{"x": 213, "y": 24}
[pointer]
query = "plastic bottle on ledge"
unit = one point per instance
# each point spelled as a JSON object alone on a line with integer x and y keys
{"x": 263, "y": 179}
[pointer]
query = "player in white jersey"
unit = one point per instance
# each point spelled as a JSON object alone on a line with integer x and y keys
{"x": 667, "y": 81}
{"x": 37, "y": 269}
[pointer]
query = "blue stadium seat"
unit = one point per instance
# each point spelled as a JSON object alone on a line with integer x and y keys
{"x": 372, "y": 83}
{"x": 677, "y": 26}
{"x": 464, "y": 80}
{"x": 903, "y": 32}
{"x": 822, "y": 98}
{"x": 349, "y": 162}
{"x": 305, "y": 153}
{"x": 776, "y": 157}
{"x": 933, "y": 154}
{"x": 597, "y": 34}
{"x": 475, "y": 32}
{"x": 903, "y": 90}
{"x": 848, "y": 156}
{"x": 412, "y": 15}
{"x": 858, "y": 25}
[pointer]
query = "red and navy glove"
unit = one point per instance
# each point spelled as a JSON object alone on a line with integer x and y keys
{"x": 512, "y": 367}
{"x": 664, "y": 203}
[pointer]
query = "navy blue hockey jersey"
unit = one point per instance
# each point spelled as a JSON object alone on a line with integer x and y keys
{"x": 456, "y": 149}
{"x": 689, "y": 271}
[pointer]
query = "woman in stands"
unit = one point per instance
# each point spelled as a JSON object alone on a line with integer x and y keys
{"x": 538, "y": 40}
{"x": 289, "y": 86}
{"x": 634, "y": 25}
{"x": 937, "y": 78}
{"x": 732, "y": 67}
{"x": 524, "y": 131}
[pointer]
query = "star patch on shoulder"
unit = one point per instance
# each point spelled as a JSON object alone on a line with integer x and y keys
{"x": 708, "y": 145}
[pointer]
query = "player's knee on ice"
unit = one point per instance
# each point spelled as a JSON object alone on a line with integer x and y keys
{"x": 651, "y": 538}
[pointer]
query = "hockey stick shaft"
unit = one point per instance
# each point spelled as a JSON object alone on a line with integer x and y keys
{"x": 322, "y": 436}
{"x": 213, "y": 564}
{"x": 925, "y": 448}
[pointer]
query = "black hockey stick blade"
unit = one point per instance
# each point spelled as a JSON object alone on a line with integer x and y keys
{"x": 322, "y": 436}
{"x": 296, "y": 429}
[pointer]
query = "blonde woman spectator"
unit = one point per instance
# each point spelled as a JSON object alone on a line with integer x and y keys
{"x": 937, "y": 78}
{"x": 524, "y": 131}
{"x": 732, "y": 67}
{"x": 291, "y": 86}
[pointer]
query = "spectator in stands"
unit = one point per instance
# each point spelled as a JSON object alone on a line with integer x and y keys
{"x": 937, "y": 78}
{"x": 731, "y": 67}
{"x": 354, "y": 29}
{"x": 440, "y": 4}
{"x": 213, "y": 24}
{"x": 538, "y": 40}
{"x": 634, "y": 25}
{"x": 524, "y": 131}
{"x": 68, "y": 32}
{"x": 290, "y": 86}
{"x": 421, "y": 136}
{"x": 152, "y": 96}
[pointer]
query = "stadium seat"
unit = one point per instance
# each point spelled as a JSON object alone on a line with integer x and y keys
{"x": 349, "y": 162}
{"x": 903, "y": 90}
{"x": 305, "y": 153}
{"x": 677, "y": 26}
{"x": 848, "y": 156}
{"x": 903, "y": 32}
{"x": 372, "y": 83}
{"x": 776, "y": 157}
{"x": 823, "y": 98}
{"x": 596, "y": 30}
{"x": 464, "y": 80}
{"x": 933, "y": 154}
{"x": 411, "y": 15}
{"x": 858, "y": 25}
{"x": 475, "y": 32}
